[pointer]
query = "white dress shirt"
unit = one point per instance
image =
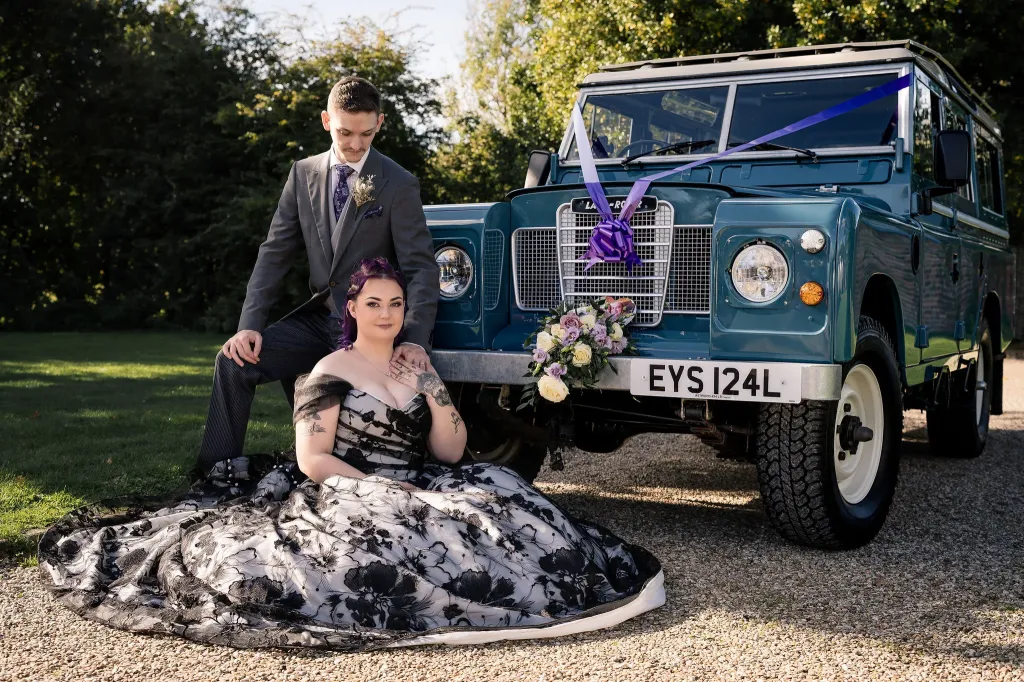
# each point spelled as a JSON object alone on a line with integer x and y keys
{"x": 336, "y": 175}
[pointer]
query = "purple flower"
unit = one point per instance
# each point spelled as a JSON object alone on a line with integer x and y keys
{"x": 600, "y": 333}
{"x": 555, "y": 370}
{"x": 618, "y": 346}
{"x": 571, "y": 334}
{"x": 570, "y": 321}
{"x": 540, "y": 356}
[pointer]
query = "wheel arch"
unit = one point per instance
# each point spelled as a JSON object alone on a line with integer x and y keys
{"x": 880, "y": 300}
{"x": 992, "y": 311}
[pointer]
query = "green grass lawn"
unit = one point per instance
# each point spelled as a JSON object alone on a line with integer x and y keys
{"x": 92, "y": 416}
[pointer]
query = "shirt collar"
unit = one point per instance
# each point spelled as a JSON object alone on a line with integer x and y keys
{"x": 357, "y": 166}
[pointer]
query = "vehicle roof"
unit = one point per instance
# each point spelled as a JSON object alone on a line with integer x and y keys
{"x": 792, "y": 58}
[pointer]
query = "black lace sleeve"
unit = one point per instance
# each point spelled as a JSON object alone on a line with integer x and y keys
{"x": 317, "y": 392}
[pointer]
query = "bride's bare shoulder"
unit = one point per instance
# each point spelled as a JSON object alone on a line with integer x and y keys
{"x": 338, "y": 364}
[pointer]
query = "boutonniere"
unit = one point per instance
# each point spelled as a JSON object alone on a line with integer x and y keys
{"x": 363, "y": 190}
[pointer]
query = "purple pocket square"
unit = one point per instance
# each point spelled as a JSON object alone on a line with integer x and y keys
{"x": 374, "y": 212}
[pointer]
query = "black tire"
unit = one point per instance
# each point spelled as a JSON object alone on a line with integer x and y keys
{"x": 955, "y": 429}
{"x": 796, "y": 458}
{"x": 496, "y": 435}
{"x": 523, "y": 458}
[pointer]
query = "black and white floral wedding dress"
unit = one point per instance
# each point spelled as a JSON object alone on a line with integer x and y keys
{"x": 256, "y": 555}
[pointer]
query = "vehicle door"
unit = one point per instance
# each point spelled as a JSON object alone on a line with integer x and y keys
{"x": 938, "y": 267}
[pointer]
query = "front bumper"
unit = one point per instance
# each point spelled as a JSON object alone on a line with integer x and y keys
{"x": 818, "y": 381}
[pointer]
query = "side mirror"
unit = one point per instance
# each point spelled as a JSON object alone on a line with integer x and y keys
{"x": 538, "y": 168}
{"x": 952, "y": 168}
{"x": 953, "y": 158}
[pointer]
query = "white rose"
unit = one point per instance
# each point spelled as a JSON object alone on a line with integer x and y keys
{"x": 552, "y": 389}
{"x": 581, "y": 355}
{"x": 588, "y": 321}
{"x": 584, "y": 310}
{"x": 557, "y": 331}
{"x": 545, "y": 342}
{"x": 615, "y": 334}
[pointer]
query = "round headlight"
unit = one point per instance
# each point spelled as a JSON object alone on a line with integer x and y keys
{"x": 456, "y": 271}
{"x": 760, "y": 273}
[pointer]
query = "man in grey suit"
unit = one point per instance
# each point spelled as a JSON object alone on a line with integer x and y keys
{"x": 344, "y": 205}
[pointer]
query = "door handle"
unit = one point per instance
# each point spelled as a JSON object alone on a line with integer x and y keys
{"x": 955, "y": 273}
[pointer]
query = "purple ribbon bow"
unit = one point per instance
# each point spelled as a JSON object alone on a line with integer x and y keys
{"x": 612, "y": 239}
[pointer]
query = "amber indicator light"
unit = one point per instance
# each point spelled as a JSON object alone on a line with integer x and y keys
{"x": 811, "y": 293}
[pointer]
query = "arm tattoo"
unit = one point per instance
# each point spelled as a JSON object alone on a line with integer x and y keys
{"x": 313, "y": 426}
{"x": 432, "y": 385}
{"x": 456, "y": 420}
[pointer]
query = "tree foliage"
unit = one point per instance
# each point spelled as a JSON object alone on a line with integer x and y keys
{"x": 143, "y": 149}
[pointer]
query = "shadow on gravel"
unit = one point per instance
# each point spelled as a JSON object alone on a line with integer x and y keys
{"x": 944, "y": 577}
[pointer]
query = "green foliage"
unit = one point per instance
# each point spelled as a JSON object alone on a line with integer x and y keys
{"x": 143, "y": 149}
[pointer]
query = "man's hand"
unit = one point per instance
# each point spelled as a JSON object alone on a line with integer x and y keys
{"x": 408, "y": 486}
{"x": 412, "y": 355}
{"x": 245, "y": 345}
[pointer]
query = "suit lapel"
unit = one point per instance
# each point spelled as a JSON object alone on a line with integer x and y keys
{"x": 352, "y": 215}
{"x": 320, "y": 198}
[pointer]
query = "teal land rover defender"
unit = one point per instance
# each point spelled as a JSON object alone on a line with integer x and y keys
{"x": 793, "y": 299}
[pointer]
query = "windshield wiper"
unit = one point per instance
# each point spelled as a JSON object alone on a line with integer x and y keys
{"x": 775, "y": 145}
{"x": 689, "y": 144}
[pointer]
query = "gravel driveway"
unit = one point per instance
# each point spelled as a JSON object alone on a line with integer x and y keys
{"x": 939, "y": 595}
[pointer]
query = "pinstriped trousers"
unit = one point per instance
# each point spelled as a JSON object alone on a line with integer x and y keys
{"x": 291, "y": 346}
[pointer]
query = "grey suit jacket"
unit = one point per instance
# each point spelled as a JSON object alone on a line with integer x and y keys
{"x": 303, "y": 218}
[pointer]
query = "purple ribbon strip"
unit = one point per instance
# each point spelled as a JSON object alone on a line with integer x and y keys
{"x": 612, "y": 239}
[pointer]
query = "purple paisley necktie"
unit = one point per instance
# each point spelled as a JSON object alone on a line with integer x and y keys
{"x": 341, "y": 192}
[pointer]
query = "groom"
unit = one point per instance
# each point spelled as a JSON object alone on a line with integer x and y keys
{"x": 339, "y": 207}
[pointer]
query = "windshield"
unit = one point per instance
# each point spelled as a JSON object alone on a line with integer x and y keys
{"x": 625, "y": 124}
{"x": 765, "y": 107}
{"x": 628, "y": 124}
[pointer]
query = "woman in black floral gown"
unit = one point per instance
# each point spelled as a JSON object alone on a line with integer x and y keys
{"x": 366, "y": 540}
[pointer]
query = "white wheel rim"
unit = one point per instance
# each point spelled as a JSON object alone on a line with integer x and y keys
{"x": 979, "y": 390}
{"x": 855, "y": 473}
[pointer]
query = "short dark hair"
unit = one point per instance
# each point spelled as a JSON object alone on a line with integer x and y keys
{"x": 354, "y": 95}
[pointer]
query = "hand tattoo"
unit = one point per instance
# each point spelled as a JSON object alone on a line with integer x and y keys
{"x": 456, "y": 420}
{"x": 432, "y": 385}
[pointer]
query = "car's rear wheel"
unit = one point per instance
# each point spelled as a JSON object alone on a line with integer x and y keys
{"x": 960, "y": 428}
{"x": 828, "y": 469}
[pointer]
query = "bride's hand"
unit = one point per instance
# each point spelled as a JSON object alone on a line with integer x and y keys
{"x": 408, "y": 486}
{"x": 423, "y": 381}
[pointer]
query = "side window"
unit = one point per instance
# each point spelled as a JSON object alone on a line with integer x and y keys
{"x": 955, "y": 118}
{"x": 989, "y": 175}
{"x": 926, "y": 114}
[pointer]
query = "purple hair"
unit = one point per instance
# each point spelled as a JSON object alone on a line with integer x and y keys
{"x": 369, "y": 268}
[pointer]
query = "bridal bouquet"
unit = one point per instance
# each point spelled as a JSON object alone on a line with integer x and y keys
{"x": 573, "y": 344}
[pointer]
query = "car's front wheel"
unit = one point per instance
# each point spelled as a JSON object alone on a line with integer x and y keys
{"x": 828, "y": 469}
{"x": 496, "y": 435}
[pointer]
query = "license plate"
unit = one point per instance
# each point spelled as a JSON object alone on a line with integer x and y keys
{"x": 761, "y": 382}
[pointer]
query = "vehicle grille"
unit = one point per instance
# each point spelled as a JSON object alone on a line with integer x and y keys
{"x": 494, "y": 256}
{"x": 674, "y": 276}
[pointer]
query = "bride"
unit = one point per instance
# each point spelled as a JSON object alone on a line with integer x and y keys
{"x": 370, "y": 539}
